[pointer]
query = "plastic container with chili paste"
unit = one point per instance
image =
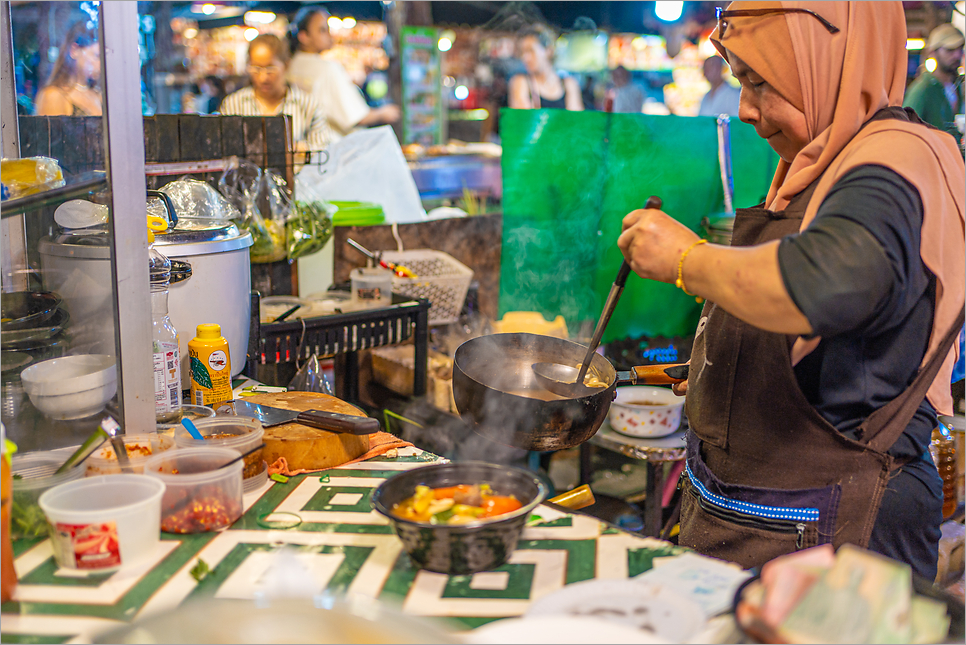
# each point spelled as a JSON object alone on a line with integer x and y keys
{"x": 140, "y": 448}
{"x": 238, "y": 433}
{"x": 201, "y": 493}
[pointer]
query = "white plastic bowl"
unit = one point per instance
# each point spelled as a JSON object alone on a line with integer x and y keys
{"x": 71, "y": 387}
{"x": 104, "y": 523}
{"x": 646, "y": 411}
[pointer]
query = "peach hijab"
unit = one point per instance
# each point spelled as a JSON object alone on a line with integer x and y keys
{"x": 839, "y": 81}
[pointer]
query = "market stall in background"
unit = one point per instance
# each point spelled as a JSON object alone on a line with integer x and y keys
{"x": 236, "y": 371}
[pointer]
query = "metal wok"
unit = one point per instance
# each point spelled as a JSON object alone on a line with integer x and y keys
{"x": 489, "y": 372}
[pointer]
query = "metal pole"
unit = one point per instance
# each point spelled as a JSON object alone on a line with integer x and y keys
{"x": 124, "y": 156}
{"x": 13, "y": 255}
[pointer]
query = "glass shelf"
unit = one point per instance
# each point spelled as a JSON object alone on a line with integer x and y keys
{"x": 78, "y": 186}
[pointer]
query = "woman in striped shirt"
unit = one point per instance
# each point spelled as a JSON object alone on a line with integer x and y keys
{"x": 269, "y": 95}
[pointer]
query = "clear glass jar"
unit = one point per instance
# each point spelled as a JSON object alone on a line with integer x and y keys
{"x": 167, "y": 358}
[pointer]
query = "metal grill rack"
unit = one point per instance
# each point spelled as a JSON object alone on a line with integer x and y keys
{"x": 346, "y": 334}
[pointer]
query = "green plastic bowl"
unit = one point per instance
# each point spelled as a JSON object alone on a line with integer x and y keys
{"x": 357, "y": 214}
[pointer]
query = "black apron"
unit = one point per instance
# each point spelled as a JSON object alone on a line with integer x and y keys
{"x": 766, "y": 473}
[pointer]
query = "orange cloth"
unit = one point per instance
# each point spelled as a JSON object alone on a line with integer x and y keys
{"x": 839, "y": 81}
{"x": 379, "y": 444}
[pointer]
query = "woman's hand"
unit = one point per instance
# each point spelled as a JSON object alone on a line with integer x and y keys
{"x": 652, "y": 243}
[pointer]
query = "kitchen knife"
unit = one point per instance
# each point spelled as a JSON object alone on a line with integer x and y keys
{"x": 331, "y": 421}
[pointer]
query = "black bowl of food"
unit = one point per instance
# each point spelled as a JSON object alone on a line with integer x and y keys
{"x": 459, "y": 518}
{"x": 27, "y": 309}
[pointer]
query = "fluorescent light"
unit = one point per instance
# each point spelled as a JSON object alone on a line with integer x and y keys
{"x": 348, "y": 22}
{"x": 444, "y": 44}
{"x": 930, "y": 65}
{"x": 208, "y": 9}
{"x": 461, "y": 92}
{"x": 915, "y": 44}
{"x": 335, "y": 24}
{"x": 251, "y": 34}
{"x": 190, "y": 32}
{"x": 668, "y": 11}
{"x": 259, "y": 18}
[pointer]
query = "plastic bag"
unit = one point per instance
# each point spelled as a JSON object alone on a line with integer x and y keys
{"x": 309, "y": 228}
{"x": 348, "y": 167}
{"x": 30, "y": 175}
{"x": 198, "y": 203}
{"x": 310, "y": 378}
{"x": 264, "y": 206}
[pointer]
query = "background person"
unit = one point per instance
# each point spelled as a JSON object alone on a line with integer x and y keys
{"x": 628, "y": 97}
{"x": 722, "y": 98}
{"x": 72, "y": 89}
{"x": 938, "y": 95}
{"x": 541, "y": 86}
{"x": 327, "y": 80}
{"x": 846, "y": 293}
{"x": 270, "y": 95}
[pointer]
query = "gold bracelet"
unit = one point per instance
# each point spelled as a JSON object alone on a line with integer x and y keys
{"x": 679, "y": 283}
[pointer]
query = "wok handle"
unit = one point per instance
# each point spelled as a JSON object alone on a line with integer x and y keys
{"x": 336, "y": 422}
{"x": 660, "y": 374}
{"x": 580, "y": 497}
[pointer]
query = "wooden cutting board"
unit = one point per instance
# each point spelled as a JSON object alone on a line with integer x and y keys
{"x": 305, "y": 447}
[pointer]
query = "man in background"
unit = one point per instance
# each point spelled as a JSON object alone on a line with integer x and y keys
{"x": 722, "y": 98}
{"x": 327, "y": 80}
{"x": 937, "y": 96}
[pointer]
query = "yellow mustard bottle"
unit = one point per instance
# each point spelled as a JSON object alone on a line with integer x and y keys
{"x": 210, "y": 366}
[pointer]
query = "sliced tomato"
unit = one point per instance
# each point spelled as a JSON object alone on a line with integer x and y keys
{"x": 498, "y": 505}
{"x": 450, "y": 491}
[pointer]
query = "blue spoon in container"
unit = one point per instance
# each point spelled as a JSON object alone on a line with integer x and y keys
{"x": 189, "y": 425}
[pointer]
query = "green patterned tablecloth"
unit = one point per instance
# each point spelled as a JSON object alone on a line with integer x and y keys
{"x": 353, "y": 548}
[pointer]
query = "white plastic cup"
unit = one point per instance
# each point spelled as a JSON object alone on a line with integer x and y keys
{"x": 104, "y": 523}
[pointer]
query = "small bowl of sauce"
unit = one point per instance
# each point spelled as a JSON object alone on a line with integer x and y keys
{"x": 646, "y": 411}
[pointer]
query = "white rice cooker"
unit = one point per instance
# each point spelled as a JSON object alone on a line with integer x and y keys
{"x": 77, "y": 266}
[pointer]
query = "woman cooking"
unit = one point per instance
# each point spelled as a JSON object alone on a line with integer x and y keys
{"x": 823, "y": 352}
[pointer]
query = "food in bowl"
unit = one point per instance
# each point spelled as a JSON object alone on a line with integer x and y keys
{"x": 202, "y": 493}
{"x": 238, "y": 433}
{"x": 465, "y": 548}
{"x": 646, "y": 411}
{"x": 139, "y": 448}
{"x": 460, "y": 504}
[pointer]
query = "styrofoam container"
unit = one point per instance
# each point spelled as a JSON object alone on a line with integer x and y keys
{"x": 104, "y": 523}
{"x": 104, "y": 461}
{"x": 238, "y": 433}
{"x": 646, "y": 411}
{"x": 71, "y": 387}
{"x": 201, "y": 493}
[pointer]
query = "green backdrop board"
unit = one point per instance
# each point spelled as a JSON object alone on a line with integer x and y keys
{"x": 569, "y": 178}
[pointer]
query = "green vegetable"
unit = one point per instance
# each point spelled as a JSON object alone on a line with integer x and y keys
{"x": 281, "y": 479}
{"x": 199, "y": 374}
{"x": 200, "y": 570}
{"x": 26, "y": 518}
{"x": 442, "y": 517}
{"x": 308, "y": 229}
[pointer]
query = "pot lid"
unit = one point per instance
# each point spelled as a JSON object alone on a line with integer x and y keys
{"x": 93, "y": 244}
{"x": 194, "y": 235}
